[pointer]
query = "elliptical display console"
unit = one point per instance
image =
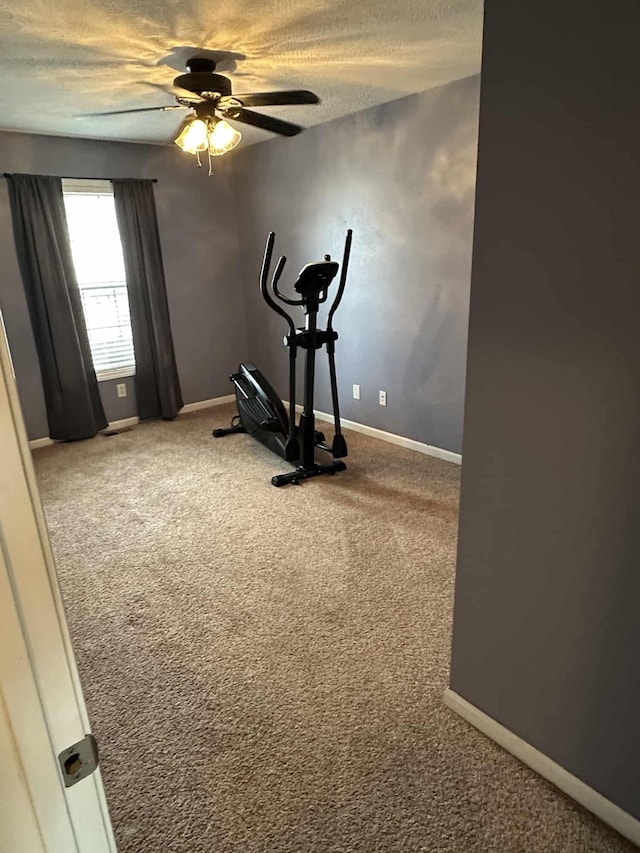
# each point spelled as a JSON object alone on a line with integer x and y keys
{"x": 261, "y": 412}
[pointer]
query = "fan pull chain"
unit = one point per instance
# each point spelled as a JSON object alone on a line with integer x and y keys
{"x": 198, "y": 159}
{"x": 210, "y": 164}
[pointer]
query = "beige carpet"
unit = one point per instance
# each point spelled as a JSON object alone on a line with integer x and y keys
{"x": 264, "y": 667}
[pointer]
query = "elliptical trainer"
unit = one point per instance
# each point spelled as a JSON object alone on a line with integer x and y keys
{"x": 261, "y": 412}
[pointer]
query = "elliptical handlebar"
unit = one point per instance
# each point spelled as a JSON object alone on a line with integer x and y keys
{"x": 266, "y": 259}
{"x": 274, "y": 283}
{"x": 321, "y": 295}
{"x": 277, "y": 274}
{"x": 282, "y": 260}
{"x": 343, "y": 279}
{"x": 339, "y": 446}
{"x": 264, "y": 277}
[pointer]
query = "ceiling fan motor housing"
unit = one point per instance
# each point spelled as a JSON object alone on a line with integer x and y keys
{"x": 202, "y": 79}
{"x": 200, "y": 82}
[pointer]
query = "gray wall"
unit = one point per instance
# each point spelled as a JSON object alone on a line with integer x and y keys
{"x": 547, "y": 627}
{"x": 198, "y": 232}
{"x": 402, "y": 176}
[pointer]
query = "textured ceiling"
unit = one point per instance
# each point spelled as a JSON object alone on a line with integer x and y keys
{"x": 61, "y": 58}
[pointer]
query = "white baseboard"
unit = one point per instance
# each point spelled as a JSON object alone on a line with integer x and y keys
{"x": 129, "y": 422}
{"x": 40, "y": 442}
{"x": 125, "y": 422}
{"x": 607, "y": 811}
{"x": 400, "y": 440}
{"x": 207, "y": 404}
{"x": 392, "y": 438}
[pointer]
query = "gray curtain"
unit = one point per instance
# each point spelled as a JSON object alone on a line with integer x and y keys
{"x": 74, "y": 407}
{"x": 157, "y": 385}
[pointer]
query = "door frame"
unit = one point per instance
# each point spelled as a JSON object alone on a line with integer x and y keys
{"x": 42, "y": 708}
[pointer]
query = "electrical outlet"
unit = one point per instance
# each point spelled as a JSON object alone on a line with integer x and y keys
{"x": 382, "y": 398}
{"x": 121, "y": 389}
{"x": 356, "y": 392}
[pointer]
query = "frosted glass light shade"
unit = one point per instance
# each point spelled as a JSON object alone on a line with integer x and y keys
{"x": 223, "y": 137}
{"x": 194, "y": 136}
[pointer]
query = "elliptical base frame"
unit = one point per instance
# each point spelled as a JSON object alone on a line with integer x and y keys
{"x": 303, "y": 473}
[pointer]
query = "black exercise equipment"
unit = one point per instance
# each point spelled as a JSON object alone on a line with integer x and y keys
{"x": 261, "y": 412}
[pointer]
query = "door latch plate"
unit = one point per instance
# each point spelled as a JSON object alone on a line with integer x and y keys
{"x": 79, "y": 760}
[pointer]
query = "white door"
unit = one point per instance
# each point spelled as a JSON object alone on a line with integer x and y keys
{"x": 42, "y": 711}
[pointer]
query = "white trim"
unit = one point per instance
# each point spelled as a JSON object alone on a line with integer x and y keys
{"x": 400, "y": 440}
{"x": 35, "y": 443}
{"x": 391, "y": 438}
{"x": 607, "y": 811}
{"x": 127, "y": 422}
{"x": 207, "y": 404}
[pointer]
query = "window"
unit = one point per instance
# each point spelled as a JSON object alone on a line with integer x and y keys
{"x": 99, "y": 265}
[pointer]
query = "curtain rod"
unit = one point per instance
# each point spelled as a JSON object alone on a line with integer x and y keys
{"x": 84, "y": 178}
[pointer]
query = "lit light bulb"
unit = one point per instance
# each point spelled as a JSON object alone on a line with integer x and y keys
{"x": 223, "y": 138}
{"x": 193, "y": 136}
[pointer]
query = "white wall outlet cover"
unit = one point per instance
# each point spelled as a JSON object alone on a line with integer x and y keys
{"x": 356, "y": 392}
{"x": 121, "y": 389}
{"x": 383, "y": 398}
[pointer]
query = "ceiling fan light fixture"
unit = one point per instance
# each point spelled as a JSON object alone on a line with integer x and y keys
{"x": 193, "y": 136}
{"x": 222, "y": 137}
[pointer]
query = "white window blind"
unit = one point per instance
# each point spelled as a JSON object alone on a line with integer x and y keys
{"x": 99, "y": 265}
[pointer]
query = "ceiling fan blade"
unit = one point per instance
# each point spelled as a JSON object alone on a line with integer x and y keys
{"x": 139, "y": 110}
{"x": 273, "y": 99}
{"x": 275, "y": 125}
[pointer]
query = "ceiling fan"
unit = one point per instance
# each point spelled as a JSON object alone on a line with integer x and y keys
{"x": 209, "y": 97}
